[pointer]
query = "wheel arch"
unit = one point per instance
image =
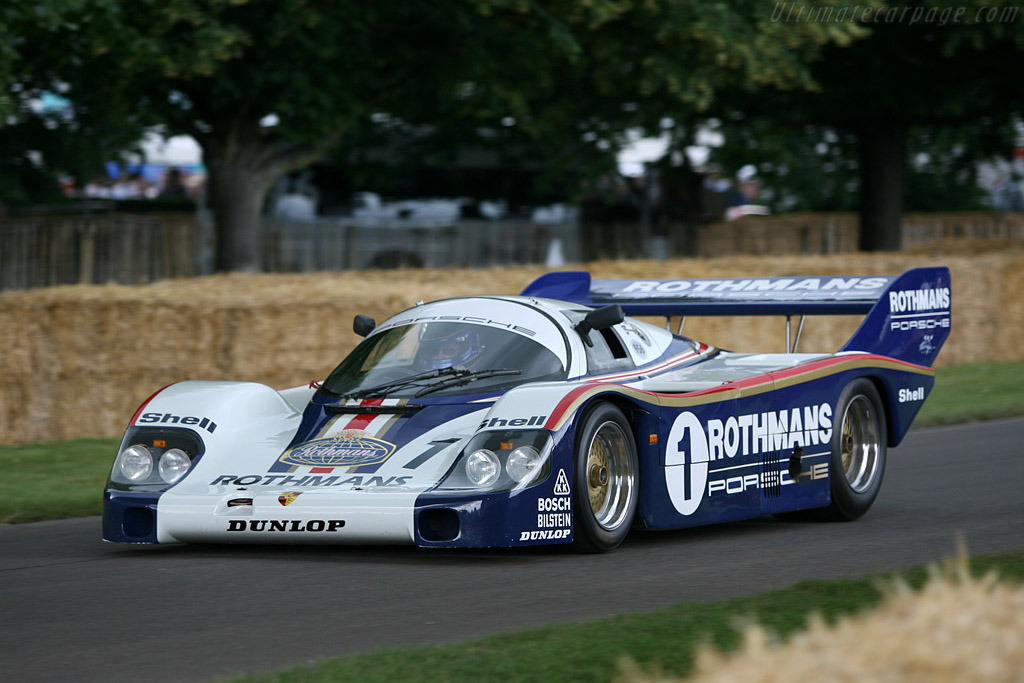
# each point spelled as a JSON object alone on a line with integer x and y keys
{"x": 899, "y": 414}
{"x": 642, "y": 420}
{"x": 884, "y": 389}
{"x": 629, "y": 407}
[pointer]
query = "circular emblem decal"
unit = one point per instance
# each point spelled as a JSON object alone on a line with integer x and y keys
{"x": 343, "y": 450}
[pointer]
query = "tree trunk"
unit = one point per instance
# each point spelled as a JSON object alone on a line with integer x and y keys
{"x": 243, "y": 164}
{"x": 882, "y": 148}
{"x": 237, "y": 193}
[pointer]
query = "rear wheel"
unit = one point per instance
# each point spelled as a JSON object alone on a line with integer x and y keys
{"x": 857, "y": 461}
{"x": 606, "y": 480}
{"x": 858, "y": 451}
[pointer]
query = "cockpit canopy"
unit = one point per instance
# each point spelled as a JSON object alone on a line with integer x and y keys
{"x": 434, "y": 340}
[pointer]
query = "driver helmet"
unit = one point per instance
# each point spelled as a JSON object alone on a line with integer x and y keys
{"x": 447, "y": 345}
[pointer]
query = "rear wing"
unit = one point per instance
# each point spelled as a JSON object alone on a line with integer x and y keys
{"x": 739, "y": 296}
{"x": 907, "y": 316}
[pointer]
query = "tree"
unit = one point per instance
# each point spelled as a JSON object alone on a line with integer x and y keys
{"x": 43, "y": 134}
{"x": 266, "y": 86}
{"x": 909, "y": 85}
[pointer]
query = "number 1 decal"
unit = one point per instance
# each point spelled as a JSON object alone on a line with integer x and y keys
{"x": 435, "y": 448}
{"x": 686, "y": 463}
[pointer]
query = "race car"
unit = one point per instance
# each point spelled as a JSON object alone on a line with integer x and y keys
{"x": 554, "y": 416}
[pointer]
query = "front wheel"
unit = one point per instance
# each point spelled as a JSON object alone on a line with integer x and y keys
{"x": 858, "y": 451}
{"x": 606, "y": 480}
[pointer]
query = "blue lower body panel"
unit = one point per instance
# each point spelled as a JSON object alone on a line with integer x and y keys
{"x": 129, "y": 517}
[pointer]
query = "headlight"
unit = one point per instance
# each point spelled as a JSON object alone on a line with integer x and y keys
{"x": 521, "y": 462}
{"x": 483, "y": 468}
{"x": 174, "y": 463}
{"x": 505, "y": 460}
{"x": 154, "y": 458}
{"x": 136, "y": 463}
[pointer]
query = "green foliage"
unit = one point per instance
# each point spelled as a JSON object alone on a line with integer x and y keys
{"x": 561, "y": 86}
{"x": 560, "y": 71}
{"x": 95, "y": 56}
{"x": 556, "y": 85}
{"x": 942, "y": 83}
{"x": 813, "y": 167}
{"x": 801, "y": 168}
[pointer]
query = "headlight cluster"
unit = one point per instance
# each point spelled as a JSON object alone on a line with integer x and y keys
{"x": 154, "y": 459}
{"x": 137, "y": 463}
{"x": 500, "y": 461}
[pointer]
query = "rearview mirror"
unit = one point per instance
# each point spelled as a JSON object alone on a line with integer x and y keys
{"x": 363, "y": 325}
{"x": 599, "y": 319}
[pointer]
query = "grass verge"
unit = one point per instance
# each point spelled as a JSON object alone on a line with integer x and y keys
{"x": 663, "y": 640}
{"x": 54, "y": 479}
{"x": 60, "y": 479}
{"x": 976, "y": 391}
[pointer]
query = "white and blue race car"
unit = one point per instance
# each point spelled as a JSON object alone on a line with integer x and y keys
{"x": 548, "y": 417}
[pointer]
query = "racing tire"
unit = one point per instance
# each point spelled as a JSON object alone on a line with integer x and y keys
{"x": 858, "y": 451}
{"x": 857, "y": 460}
{"x": 606, "y": 477}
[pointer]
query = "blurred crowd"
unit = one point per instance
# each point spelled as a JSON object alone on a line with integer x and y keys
{"x": 168, "y": 183}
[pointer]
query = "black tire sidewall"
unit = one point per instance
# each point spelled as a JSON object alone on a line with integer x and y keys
{"x": 588, "y": 535}
{"x": 848, "y": 504}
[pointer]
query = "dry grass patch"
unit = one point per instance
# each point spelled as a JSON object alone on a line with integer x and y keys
{"x": 957, "y": 628}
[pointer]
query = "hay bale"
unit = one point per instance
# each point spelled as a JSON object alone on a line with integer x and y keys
{"x": 78, "y": 360}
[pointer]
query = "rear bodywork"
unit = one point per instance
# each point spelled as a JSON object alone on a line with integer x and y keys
{"x": 720, "y": 435}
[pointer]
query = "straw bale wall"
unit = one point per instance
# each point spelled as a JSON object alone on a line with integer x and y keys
{"x": 77, "y": 360}
{"x": 835, "y": 232}
{"x": 798, "y": 233}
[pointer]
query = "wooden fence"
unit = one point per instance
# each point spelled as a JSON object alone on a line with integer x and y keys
{"x": 96, "y": 248}
{"x": 303, "y": 246}
{"x": 134, "y": 249}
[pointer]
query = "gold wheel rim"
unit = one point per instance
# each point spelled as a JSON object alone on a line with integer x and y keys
{"x": 609, "y": 475}
{"x": 861, "y": 444}
{"x": 597, "y": 460}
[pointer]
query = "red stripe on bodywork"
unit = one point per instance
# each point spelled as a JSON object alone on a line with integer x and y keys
{"x": 146, "y": 403}
{"x": 567, "y": 401}
{"x": 762, "y": 378}
{"x": 358, "y": 422}
{"x": 647, "y": 371}
{"x": 801, "y": 370}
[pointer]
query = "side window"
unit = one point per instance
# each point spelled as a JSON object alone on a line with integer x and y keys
{"x": 607, "y": 353}
{"x": 614, "y": 343}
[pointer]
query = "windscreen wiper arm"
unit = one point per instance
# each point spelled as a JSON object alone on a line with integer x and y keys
{"x": 430, "y": 374}
{"x": 465, "y": 378}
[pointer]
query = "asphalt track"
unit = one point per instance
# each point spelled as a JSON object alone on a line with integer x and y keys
{"x": 73, "y": 608}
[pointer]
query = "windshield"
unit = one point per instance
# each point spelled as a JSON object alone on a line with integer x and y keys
{"x": 423, "y": 353}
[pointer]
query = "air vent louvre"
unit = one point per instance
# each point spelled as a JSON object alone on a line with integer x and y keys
{"x": 771, "y": 475}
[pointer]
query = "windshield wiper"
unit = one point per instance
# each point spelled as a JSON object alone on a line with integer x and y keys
{"x": 430, "y": 374}
{"x": 465, "y": 377}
